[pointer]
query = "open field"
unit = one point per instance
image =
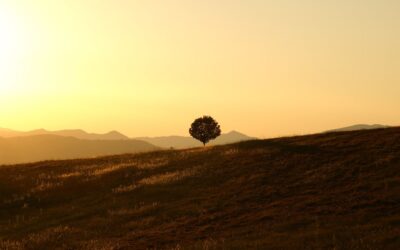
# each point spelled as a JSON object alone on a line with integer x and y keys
{"x": 325, "y": 191}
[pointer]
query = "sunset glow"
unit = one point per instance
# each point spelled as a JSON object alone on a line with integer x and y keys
{"x": 148, "y": 68}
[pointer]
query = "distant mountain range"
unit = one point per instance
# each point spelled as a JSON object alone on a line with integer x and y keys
{"x": 164, "y": 141}
{"x": 38, "y": 145}
{"x": 180, "y": 142}
{"x": 358, "y": 127}
{"x": 77, "y": 133}
{"x": 51, "y": 147}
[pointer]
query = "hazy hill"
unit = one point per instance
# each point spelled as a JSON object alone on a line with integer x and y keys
{"x": 6, "y": 133}
{"x": 46, "y": 147}
{"x": 180, "y": 142}
{"x": 326, "y": 191}
{"x": 77, "y": 133}
{"x": 358, "y": 127}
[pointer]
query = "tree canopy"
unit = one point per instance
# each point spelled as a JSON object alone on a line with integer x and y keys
{"x": 205, "y": 129}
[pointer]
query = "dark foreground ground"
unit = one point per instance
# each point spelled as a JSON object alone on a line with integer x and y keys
{"x": 325, "y": 191}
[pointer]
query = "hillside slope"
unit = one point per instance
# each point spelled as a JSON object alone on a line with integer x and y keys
{"x": 325, "y": 191}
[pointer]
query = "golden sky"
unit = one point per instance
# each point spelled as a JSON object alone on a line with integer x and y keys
{"x": 263, "y": 67}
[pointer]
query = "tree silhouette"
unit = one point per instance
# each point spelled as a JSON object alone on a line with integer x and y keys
{"x": 205, "y": 129}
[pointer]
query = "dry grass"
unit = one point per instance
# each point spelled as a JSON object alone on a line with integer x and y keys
{"x": 158, "y": 179}
{"x": 326, "y": 191}
{"x": 135, "y": 210}
{"x": 168, "y": 177}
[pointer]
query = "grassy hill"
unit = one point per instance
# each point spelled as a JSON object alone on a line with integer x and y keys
{"x": 326, "y": 191}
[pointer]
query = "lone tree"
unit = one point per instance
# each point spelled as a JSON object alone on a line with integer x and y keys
{"x": 205, "y": 129}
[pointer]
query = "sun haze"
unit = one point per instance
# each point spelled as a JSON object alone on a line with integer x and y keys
{"x": 265, "y": 68}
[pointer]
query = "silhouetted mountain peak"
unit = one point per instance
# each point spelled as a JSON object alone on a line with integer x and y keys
{"x": 41, "y": 130}
{"x": 234, "y": 132}
{"x": 115, "y": 135}
{"x": 114, "y": 132}
{"x": 358, "y": 127}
